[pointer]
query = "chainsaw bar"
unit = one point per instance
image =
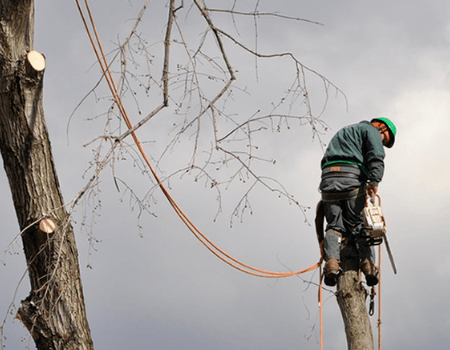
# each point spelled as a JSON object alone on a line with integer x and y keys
{"x": 391, "y": 258}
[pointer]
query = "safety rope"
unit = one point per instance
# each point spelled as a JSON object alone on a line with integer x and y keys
{"x": 321, "y": 307}
{"x": 379, "y": 298}
{"x": 213, "y": 248}
{"x": 98, "y": 49}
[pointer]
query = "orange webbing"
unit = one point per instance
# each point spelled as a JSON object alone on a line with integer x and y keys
{"x": 198, "y": 234}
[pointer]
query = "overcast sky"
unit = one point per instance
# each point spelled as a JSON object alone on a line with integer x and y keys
{"x": 159, "y": 288}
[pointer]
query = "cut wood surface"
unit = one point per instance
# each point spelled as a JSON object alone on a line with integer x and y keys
{"x": 47, "y": 225}
{"x": 36, "y": 60}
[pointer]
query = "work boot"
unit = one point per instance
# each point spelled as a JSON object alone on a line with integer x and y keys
{"x": 331, "y": 272}
{"x": 371, "y": 272}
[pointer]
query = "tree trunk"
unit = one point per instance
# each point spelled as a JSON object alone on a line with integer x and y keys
{"x": 351, "y": 297}
{"x": 54, "y": 312}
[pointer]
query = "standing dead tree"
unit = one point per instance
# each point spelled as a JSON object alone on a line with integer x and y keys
{"x": 195, "y": 82}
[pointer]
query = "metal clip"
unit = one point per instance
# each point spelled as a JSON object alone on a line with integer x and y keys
{"x": 371, "y": 308}
{"x": 372, "y": 302}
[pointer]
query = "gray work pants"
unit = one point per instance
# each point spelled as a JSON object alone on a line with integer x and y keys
{"x": 344, "y": 220}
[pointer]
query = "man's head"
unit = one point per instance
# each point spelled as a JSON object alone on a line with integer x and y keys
{"x": 387, "y": 130}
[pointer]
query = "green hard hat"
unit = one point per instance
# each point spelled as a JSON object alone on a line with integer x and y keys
{"x": 391, "y": 127}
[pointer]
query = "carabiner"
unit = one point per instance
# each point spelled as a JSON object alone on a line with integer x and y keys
{"x": 372, "y": 302}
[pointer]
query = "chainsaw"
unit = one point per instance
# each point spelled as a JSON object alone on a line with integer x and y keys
{"x": 375, "y": 226}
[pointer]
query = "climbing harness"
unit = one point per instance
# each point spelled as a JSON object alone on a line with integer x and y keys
{"x": 348, "y": 163}
{"x": 343, "y": 196}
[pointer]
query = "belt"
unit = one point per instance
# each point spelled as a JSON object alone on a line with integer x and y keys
{"x": 343, "y": 196}
{"x": 341, "y": 170}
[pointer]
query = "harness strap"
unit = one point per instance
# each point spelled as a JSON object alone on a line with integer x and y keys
{"x": 343, "y": 196}
{"x": 340, "y": 174}
{"x": 362, "y": 167}
{"x": 342, "y": 170}
{"x": 319, "y": 221}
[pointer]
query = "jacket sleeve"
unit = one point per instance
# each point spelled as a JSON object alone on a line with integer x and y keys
{"x": 374, "y": 155}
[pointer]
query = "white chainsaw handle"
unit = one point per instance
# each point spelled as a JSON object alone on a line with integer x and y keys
{"x": 372, "y": 200}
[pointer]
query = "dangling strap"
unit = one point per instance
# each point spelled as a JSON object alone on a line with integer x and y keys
{"x": 319, "y": 221}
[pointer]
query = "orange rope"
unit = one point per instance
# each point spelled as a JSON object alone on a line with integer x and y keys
{"x": 379, "y": 298}
{"x": 321, "y": 308}
{"x": 198, "y": 234}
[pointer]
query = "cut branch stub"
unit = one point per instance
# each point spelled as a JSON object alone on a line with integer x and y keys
{"x": 36, "y": 60}
{"x": 47, "y": 226}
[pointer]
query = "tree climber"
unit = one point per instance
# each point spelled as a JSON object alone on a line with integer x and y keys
{"x": 352, "y": 167}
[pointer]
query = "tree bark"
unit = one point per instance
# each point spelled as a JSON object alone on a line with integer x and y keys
{"x": 351, "y": 297}
{"x": 54, "y": 312}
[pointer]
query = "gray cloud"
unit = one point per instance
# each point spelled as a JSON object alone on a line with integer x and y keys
{"x": 165, "y": 290}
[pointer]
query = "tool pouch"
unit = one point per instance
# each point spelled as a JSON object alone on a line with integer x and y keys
{"x": 373, "y": 218}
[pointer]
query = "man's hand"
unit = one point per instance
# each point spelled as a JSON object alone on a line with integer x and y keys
{"x": 372, "y": 190}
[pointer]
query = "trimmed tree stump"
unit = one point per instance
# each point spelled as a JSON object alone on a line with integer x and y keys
{"x": 351, "y": 297}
